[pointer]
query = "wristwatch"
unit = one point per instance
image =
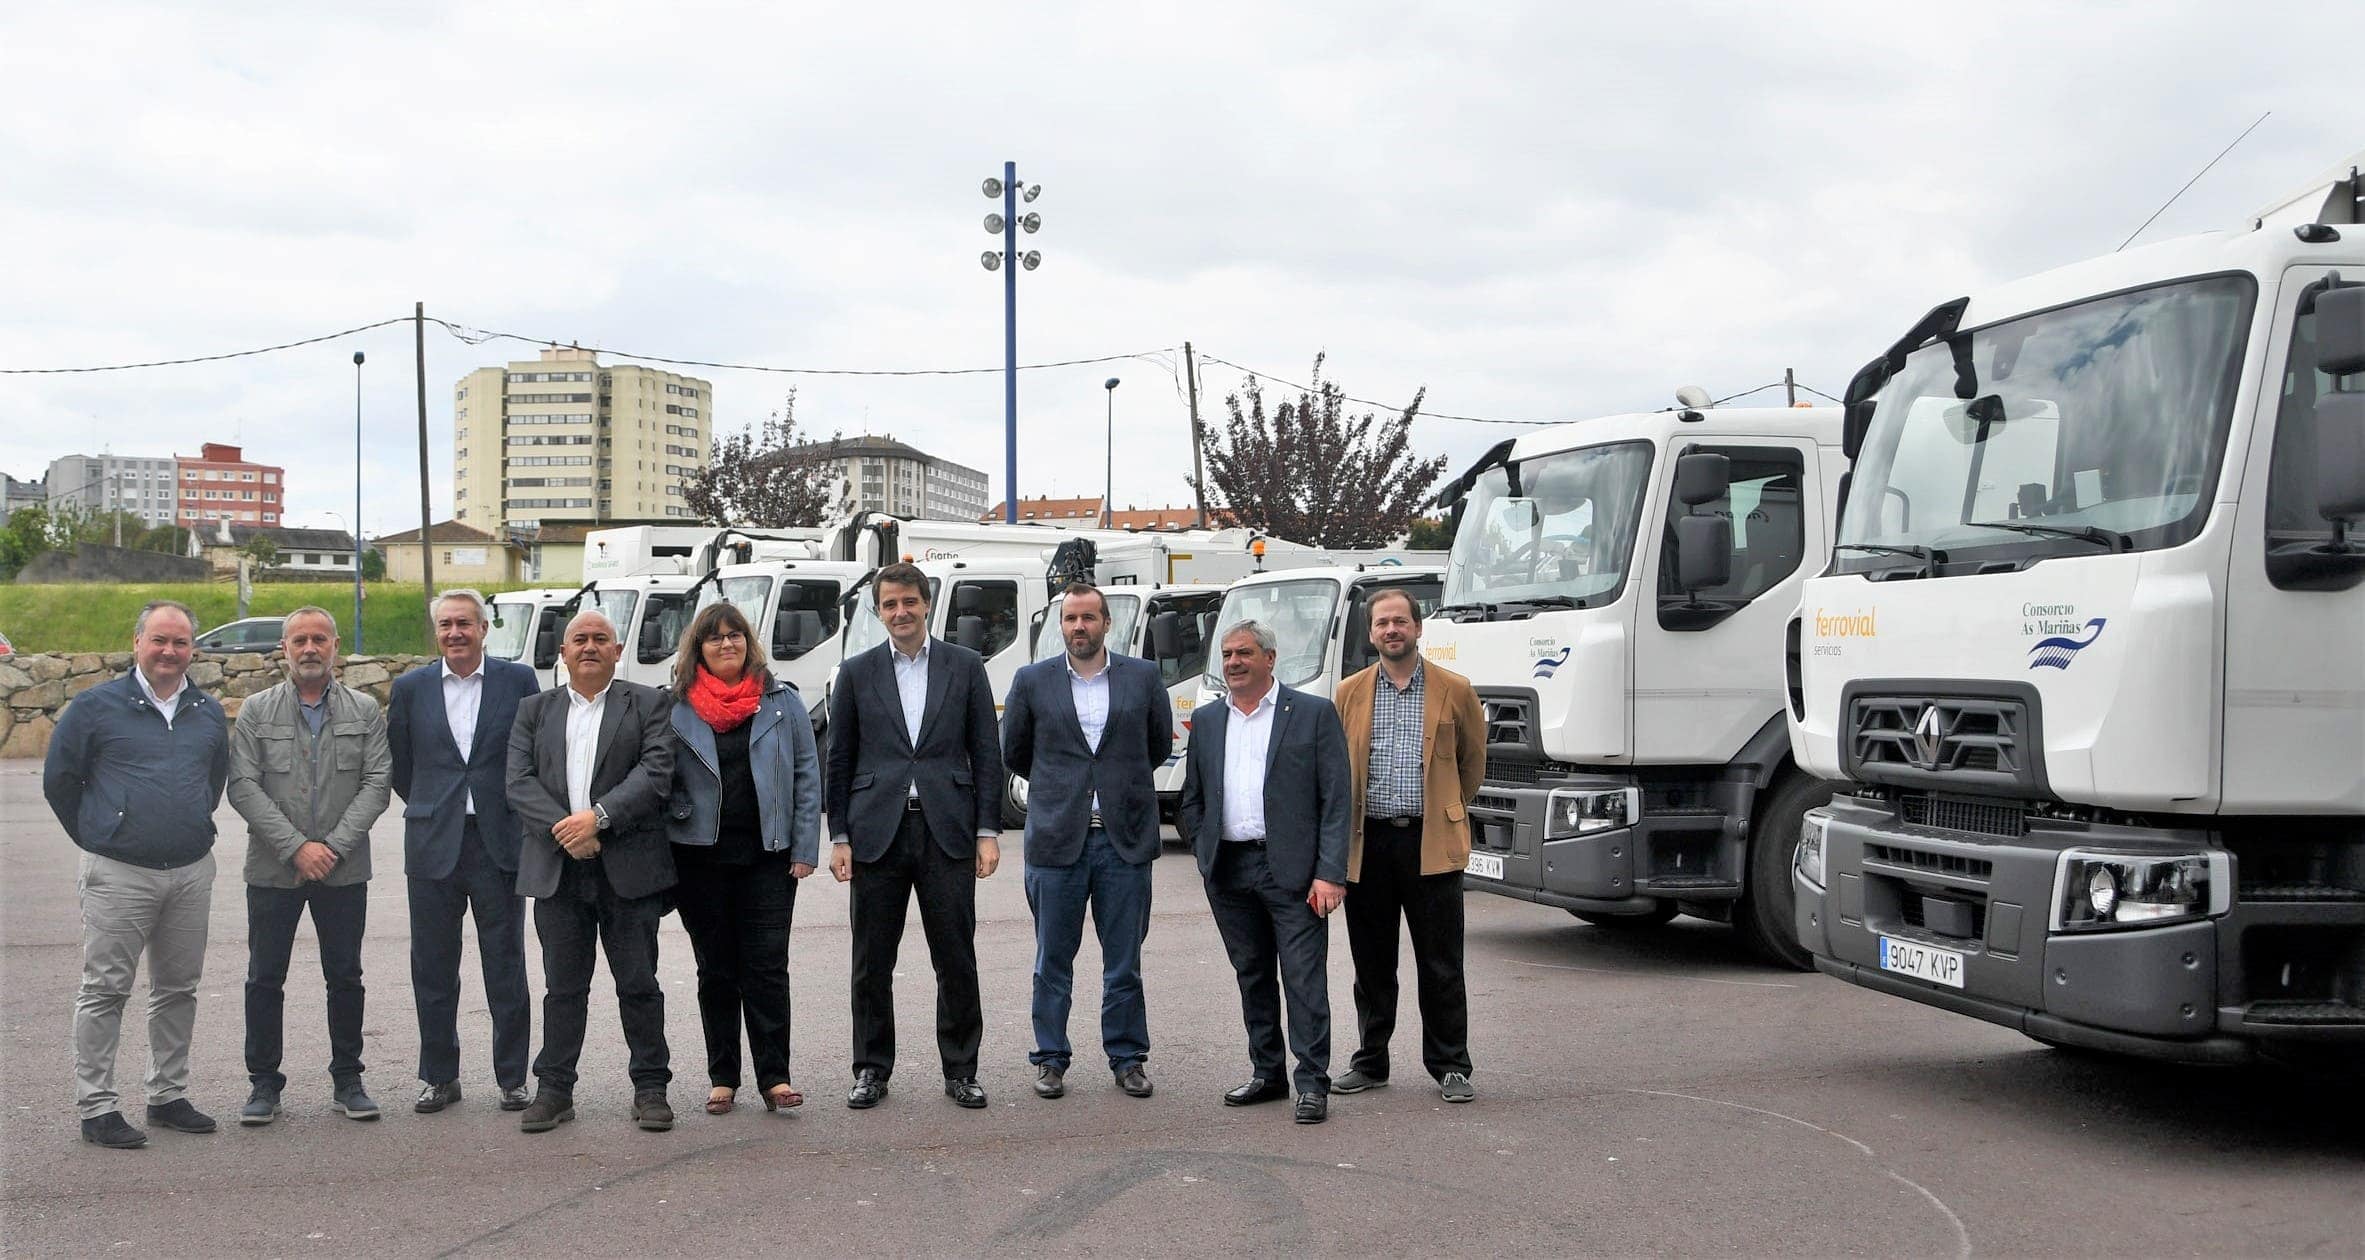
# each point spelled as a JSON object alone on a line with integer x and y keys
{"x": 599, "y": 813}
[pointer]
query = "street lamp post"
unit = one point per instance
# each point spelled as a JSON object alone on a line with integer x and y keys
{"x": 1108, "y": 489}
{"x": 357, "y": 359}
{"x": 1008, "y": 260}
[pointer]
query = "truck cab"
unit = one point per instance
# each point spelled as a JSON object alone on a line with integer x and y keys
{"x": 798, "y": 608}
{"x": 1617, "y": 594}
{"x": 1321, "y": 618}
{"x": 2092, "y": 649}
{"x": 650, "y": 613}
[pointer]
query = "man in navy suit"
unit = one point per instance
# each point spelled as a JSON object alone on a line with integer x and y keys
{"x": 1088, "y": 730}
{"x": 1266, "y": 801}
{"x": 449, "y": 730}
{"x": 914, "y": 796}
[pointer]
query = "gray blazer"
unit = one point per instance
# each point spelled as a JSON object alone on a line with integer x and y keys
{"x": 1043, "y": 741}
{"x": 630, "y": 776}
{"x": 276, "y": 789}
{"x": 1309, "y": 794}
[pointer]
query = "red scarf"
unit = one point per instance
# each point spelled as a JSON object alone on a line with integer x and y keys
{"x": 726, "y": 705}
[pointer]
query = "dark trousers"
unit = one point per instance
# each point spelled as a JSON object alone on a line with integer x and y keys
{"x": 1264, "y": 926}
{"x": 585, "y": 918}
{"x": 1118, "y": 894}
{"x": 882, "y": 893}
{"x": 338, "y": 916}
{"x": 1431, "y": 905}
{"x": 480, "y": 888}
{"x": 738, "y": 919}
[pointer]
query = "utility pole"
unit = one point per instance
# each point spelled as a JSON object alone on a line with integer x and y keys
{"x": 1790, "y": 384}
{"x": 1198, "y": 479}
{"x": 426, "y": 518}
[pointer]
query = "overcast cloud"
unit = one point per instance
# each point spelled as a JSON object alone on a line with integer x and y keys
{"x": 1537, "y": 211}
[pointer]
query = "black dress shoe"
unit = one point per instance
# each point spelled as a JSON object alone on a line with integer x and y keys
{"x": 651, "y": 1111}
{"x": 1258, "y": 1089}
{"x": 112, "y": 1130}
{"x": 434, "y": 1098}
{"x": 1135, "y": 1081}
{"x": 1312, "y": 1108}
{"x": 179, "y": 1116}
{"x": 869, "y": 1088}
{"x": 1051, "y": 1081}
{"x": 965, "y": 1090}
{"x": 513, "y": 1098}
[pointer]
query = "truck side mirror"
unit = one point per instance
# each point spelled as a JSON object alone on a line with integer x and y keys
{"x": 1166, "y": 637}
{"x": 2340, "y": 330}
{"x": 2340, "y": 413}
{"x": 968, "y": 601}
{"x": 1855, "y": 422}
{"x": 652, "y": 642}
{"x": 969, "y": 632}
{"x": 1701, "y": 477}
{"x": 1703, "y": 552}
{"x": 546, "y": 645}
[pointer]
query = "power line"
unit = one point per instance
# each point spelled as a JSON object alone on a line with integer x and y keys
{"x": 2190, "y": 182}
{"x": 478, "y": 336}
{"x": 1820, "y": 394}
{"x": 204, "y": 358}
{"x": 1441, "y": 415}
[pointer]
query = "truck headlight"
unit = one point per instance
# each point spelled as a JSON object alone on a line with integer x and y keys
{"x": 1812, "y": 826}
{"x": 2096, "y": 891}
{"x": 1585, "y": 811}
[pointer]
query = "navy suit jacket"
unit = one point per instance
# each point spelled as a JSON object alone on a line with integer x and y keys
{"x": 873, "y": 761}
{"x": 433, "y": 778}
{"x": 1308, "y": 790}
{"x": 1043, "y": 741}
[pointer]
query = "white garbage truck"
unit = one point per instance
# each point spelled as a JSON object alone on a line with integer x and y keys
{"x": 2092, "y": 648}
{"x": 1617, "y": 594}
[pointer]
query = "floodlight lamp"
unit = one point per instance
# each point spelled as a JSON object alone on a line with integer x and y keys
{"x": 1032, "y": 259}
{"x": 1033, "y": 191}
{"x": 992, "y": 260}
{"x": 993, "y": 187}
{"x": 994, "y": 224}
{"x": 1032, "y": 222}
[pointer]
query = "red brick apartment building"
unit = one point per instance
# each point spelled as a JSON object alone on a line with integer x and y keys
{"x": 220, "y": 484}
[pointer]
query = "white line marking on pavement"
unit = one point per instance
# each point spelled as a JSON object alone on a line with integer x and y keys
{"x": 1646, "y": 975}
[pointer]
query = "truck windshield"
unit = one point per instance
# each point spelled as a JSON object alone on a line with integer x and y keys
{"x": 2088, "y": 428}
{"x": 506, "y": 638}
{"x": 1124, "y": 616}
{"x": 1298, "y": 614}
{"x": 1557, "y": 527}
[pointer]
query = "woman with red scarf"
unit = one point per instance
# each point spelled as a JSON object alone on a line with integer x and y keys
{"x": 745, "y": 820}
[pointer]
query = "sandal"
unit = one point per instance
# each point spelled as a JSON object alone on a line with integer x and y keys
{"x": 720, "y": 1100}
{"x": 783, "y": 1097}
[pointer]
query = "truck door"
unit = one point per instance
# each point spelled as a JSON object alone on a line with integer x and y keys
{"x": 1355, "y": 649}
{"x": 805, "y": 620}
{"x": 1708, "y": 664}
{"x": 994, "y": 601}
{"x": 2294, "y": 677}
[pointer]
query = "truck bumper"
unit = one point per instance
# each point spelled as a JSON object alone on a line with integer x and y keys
{"x": 1627, "y": 869}
{"x": 1985, "y": 904}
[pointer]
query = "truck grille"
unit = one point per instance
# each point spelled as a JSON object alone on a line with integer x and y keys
{"x": 1935, "y": 863}
{"x": 1968, "y": 742}
{"x": 1949, "y": 813}
{"x": 1518, "y": 767}
{"x": 1510, "y": 721}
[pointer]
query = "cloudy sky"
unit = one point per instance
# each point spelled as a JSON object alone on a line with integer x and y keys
{"x": 1538, "y": 211}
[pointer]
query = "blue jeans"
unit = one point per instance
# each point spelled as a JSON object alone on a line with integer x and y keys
{"x": 1118, "y": 893}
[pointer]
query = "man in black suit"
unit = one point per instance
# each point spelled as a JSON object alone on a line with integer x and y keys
{"x": 1266, "y": 801}
{"x": 589, "y": 768}
{"x": 1088, "y": 731}
{"x": 448, "y": 729}
{"x": 914, "y": 792}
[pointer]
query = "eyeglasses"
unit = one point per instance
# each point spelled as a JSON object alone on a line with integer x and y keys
{"x": 726, "y": 636}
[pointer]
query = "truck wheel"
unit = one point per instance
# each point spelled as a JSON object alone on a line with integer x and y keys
{"x": 1013, "y": 804}
{"x": 1653, "y": 917}
{"x": 1764, "y": 913}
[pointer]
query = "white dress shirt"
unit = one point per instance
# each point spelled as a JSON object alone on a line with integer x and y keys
{"x": 1246, "y": 738}
{"x": 583, "y": 717}
{"x": 169, "y": 706}
{"x": 911, "y": 687}
{"x": 1091, "y": 696}
{"x": 463, "y": 696}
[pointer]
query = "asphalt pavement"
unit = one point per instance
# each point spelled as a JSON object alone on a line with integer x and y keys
{"x": 1647, "y": 1091}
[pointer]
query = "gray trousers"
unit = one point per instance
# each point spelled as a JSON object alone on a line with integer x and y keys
{"x": 126, "y": 911}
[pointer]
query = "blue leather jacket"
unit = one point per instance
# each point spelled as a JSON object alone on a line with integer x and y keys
{"x": 787, "y": 777}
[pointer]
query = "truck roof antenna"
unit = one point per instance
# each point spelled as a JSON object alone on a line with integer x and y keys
{"x": 2190, "y": 182}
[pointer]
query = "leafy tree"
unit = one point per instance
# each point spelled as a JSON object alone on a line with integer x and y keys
{"x": 29, "y": 531}
{"x": 265, "y": 551}
{"x": 1429, "y": 534}
{"x": 760, "y": 477}
{"x": 373, "y": 565}
{"x": 1309, "y": 472}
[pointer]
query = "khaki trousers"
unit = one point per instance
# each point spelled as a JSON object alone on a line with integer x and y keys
{"x": 127, "y": 911}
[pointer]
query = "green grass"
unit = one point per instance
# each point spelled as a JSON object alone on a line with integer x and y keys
{"x": 97, "y": 617}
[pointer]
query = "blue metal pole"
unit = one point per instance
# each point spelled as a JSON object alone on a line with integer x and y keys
{"x": 1010, "y": 339}
{"x": 357, "y": 648}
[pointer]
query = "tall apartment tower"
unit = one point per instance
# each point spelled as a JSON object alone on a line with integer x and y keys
{"x": 563, "y": 439}
{"x": 143, "y": 485}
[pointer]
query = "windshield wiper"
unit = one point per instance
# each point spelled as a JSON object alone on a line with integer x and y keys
{"x": 1547, "y": 601}
{"x": 1476, "y": 606}
{"x": 1927, "y": 555}
{"x": 2110, "y": 538}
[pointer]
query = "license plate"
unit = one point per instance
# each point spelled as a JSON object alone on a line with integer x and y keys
{"x": 1486, "y": 865}
{"x": 1922, "y": 962}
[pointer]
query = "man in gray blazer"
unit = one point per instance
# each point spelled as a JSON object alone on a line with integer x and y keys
{"x": 309, "y": 772}
{"x": 1088, "y": 730}
{"x": 589, "y": 768}
{"x": 914, "y": 797}
{"x": 1266, "y": 801}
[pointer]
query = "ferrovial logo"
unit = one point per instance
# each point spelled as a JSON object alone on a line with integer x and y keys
{"x": 1861, "y": 624}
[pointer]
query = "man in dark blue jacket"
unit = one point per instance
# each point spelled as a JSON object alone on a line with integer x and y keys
{"x": 1088, "y": 730}
{"x": 136, "y": 769}
{"x": 1266, "y": 802}
{"x": 449, "y": 731}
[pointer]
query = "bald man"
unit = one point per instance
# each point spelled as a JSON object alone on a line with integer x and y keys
{"x": 589, "y": 767}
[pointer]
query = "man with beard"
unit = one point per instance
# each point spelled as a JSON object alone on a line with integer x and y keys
{"x": 1088, "y": 731}
{"x": 309, "y": 772}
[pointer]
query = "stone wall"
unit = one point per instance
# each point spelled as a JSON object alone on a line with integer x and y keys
{"x": 35, "y": 687}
